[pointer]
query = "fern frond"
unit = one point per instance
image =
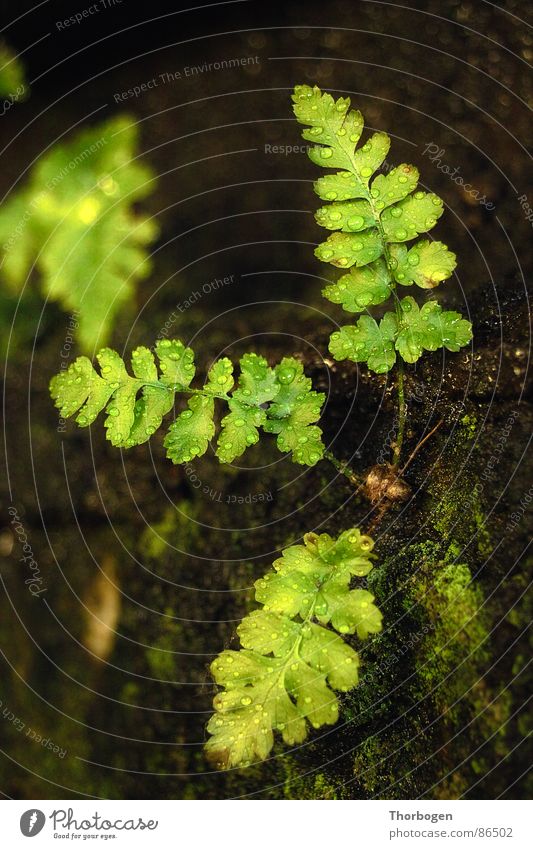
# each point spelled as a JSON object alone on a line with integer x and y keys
{"x": 280, "y": 400}
{"x": 75, "y": 221}
{"x": 284, "y": 676}
{"x": 13, "y": 85}
{"x": 373, "y": 215}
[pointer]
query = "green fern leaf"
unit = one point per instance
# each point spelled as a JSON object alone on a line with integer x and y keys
{"x": 240, "y": 430}
{"x": 388, "y": 189}
{"x": 257, "y": 381}
{"x": 367, "y": 341}
{"x": 135, "y": 405}
{"x": 121, "y": 407}
{"x": 176, "y": 363}
{"x": 406, "y": 219}
{"x": 12, "y": 77}
{"x": 429, "y": 328}
{"x": 290, "y": 664}
{"x": 345, "y": 249}
{"x": 155, "y": 402}
{"x": 427, "y": 264}
{"x": 410, "y": 332}
{"x": 189, "y": 435}
{"x": 220, "y": 377}
{"x": 350, "y": 217}
{"x": 361, "y": 287}
{"x": 340, "y": 186}
{"x": 368, "y": 158}
{"x": 373, "y": 215}
{"x": 293, "y": 413}
{"x": 75, "y": 221}
{"x": 80, "y": 387}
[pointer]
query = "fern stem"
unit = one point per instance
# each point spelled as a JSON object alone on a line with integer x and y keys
{"x": 178, "y": 388}
{"x": 402, "y": 415}
{"x": 402, "y": 407}
{"x": 343, "y": 468}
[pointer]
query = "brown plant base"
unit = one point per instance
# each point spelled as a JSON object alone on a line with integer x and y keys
{"x": 385, "y": 483}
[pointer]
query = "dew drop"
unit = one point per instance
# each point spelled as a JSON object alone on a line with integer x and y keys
{"x": 286, "y": 375}
{"x": 356, "y": 222}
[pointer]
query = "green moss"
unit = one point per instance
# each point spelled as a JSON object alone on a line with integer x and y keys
{"x": 455, "y": 631}
{"x": 470, "y": 425}
{"x": 177, "y": 521}
{"x": 161, "y": 656}
{"x": 457, "y": 512}
{"x": 315, "y": 786}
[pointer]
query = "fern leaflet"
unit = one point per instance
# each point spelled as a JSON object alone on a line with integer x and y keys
{"x": 279, "y": 400}
{"x": 290, "y": 662}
